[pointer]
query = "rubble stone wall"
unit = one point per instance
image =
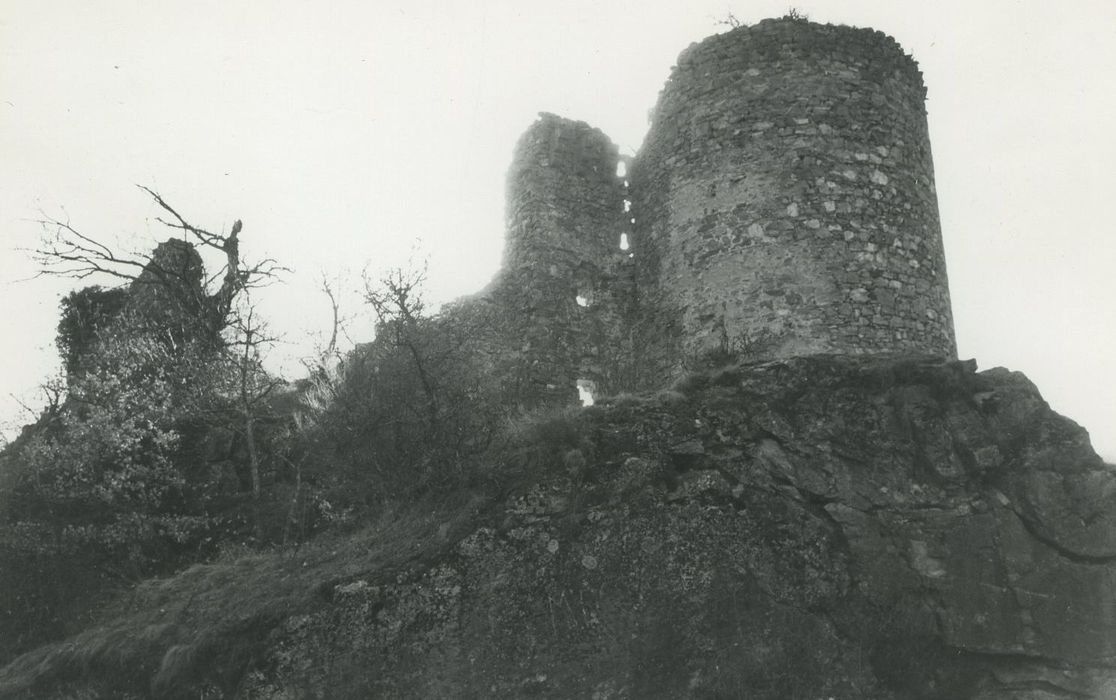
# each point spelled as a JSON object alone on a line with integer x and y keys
{"x": 783, "y": 202}
{"x": 785, "y": 193}
{"x": 558, "y": 305}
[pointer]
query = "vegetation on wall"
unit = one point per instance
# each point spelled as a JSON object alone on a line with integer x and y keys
{"x": 84, "y": 313}
{"x": 168, "y": 443}
{"x": 410, "y": 412}
{"x": 131, "y": 470}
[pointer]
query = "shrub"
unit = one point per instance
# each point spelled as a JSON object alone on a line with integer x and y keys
{"x": 731, "y": 349}
{"x": 413, "y": 411}
{"x": 84, "y": 313}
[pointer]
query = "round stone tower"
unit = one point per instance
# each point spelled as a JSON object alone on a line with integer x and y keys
{"x": 784, "y": 197}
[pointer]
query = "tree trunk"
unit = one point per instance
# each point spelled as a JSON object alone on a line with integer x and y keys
{"x": 254, "y": 469}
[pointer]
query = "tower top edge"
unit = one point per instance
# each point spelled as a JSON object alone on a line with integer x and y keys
{"x": 788, "y": 32}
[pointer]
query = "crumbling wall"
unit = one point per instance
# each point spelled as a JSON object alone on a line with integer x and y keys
{"x": 555, "y": 313}
{"x": 783, "y": 202}
{"x": 564, "y": 206}
{"x": 785, "y": 194}
{"x": 172, "y": 282}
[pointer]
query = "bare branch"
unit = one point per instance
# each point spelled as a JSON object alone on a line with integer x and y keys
{"x": 237, "y": 276}
{"x": 206, "y": 238}
{"x": 397, "y": 295}
{"x": 331, "y": 347}
{"x": 67, "y": 252}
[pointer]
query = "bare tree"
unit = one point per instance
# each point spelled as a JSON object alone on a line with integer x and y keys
{"x": 220, "y": 302}
{"x": 250, "y": 390}
{"x": 397, "y": 301}
{"x": 67, "y": 252}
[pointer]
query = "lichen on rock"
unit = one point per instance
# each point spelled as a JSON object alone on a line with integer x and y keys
{"x": 830, "y": 527}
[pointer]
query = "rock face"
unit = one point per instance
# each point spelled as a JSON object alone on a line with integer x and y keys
{"x": 819, "y": 527}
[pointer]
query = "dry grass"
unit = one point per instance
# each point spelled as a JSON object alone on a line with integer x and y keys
{"x": 201, "y": 628}
{"x": 203, "y": 625}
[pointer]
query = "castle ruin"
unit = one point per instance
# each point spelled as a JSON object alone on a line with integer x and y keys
{"x": 783, "y": 200}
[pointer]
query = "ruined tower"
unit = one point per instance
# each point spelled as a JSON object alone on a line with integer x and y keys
{"x": 783, "y": 201}
{"x": 564, "y": 215}
{"x": 785, "y": 194}
{"x": 564, "y": 207}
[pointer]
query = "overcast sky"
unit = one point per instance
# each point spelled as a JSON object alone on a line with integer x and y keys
{"x": 341, "y": 132}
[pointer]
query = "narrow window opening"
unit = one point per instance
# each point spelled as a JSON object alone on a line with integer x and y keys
{"x": 625, "y": 183}
{"x": 621, "y": 169}
{"x": 585, "y": 390}
{"x": 624, "y": 244}
{"x": 627, "y": 205}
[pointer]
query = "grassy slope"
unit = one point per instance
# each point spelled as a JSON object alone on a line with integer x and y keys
{"x": 212, "y": 617}
{"x": 210, "y": 620}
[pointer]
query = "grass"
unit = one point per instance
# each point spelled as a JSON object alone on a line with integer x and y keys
{"x": 202, "y": 626}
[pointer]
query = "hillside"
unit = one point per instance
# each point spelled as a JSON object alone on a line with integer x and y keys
{"x": 824, "y": 526}
{"x": 788, "y": 487}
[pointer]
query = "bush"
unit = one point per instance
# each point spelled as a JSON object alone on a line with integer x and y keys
{"x": 96, "y": 495}
{"x": 730, "y": 350}
{"x": 84, "y": 313}
{"x": 411, "y": 412}
{"x": 550, "y": 440}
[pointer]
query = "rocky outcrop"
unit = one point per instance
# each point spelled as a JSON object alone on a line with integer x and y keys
{"x": 817, "y": 527}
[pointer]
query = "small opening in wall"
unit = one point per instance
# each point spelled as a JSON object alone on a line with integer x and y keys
{"x": 627, "y": 205}
{"x": 621, "y": 169}
{"x": 626, "y": 183}
{"x": 585, "y": 390}
{"x": 633, "y": 219}
{"x": 624, "y": 245}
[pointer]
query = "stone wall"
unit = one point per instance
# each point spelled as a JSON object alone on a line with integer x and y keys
{"x": 782, "y": 203}
{"x": 564, "y": 205}
{"x": 555, "y": 314}
{"x": 785, "y": 193}
{"x": 169, "y": 295}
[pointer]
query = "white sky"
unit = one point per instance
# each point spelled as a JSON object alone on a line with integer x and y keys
{"x": 342, "y": 131}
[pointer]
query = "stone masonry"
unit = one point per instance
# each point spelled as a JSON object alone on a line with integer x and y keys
{"x": 783, "y": 201}
{"x": 786, "y": 190}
